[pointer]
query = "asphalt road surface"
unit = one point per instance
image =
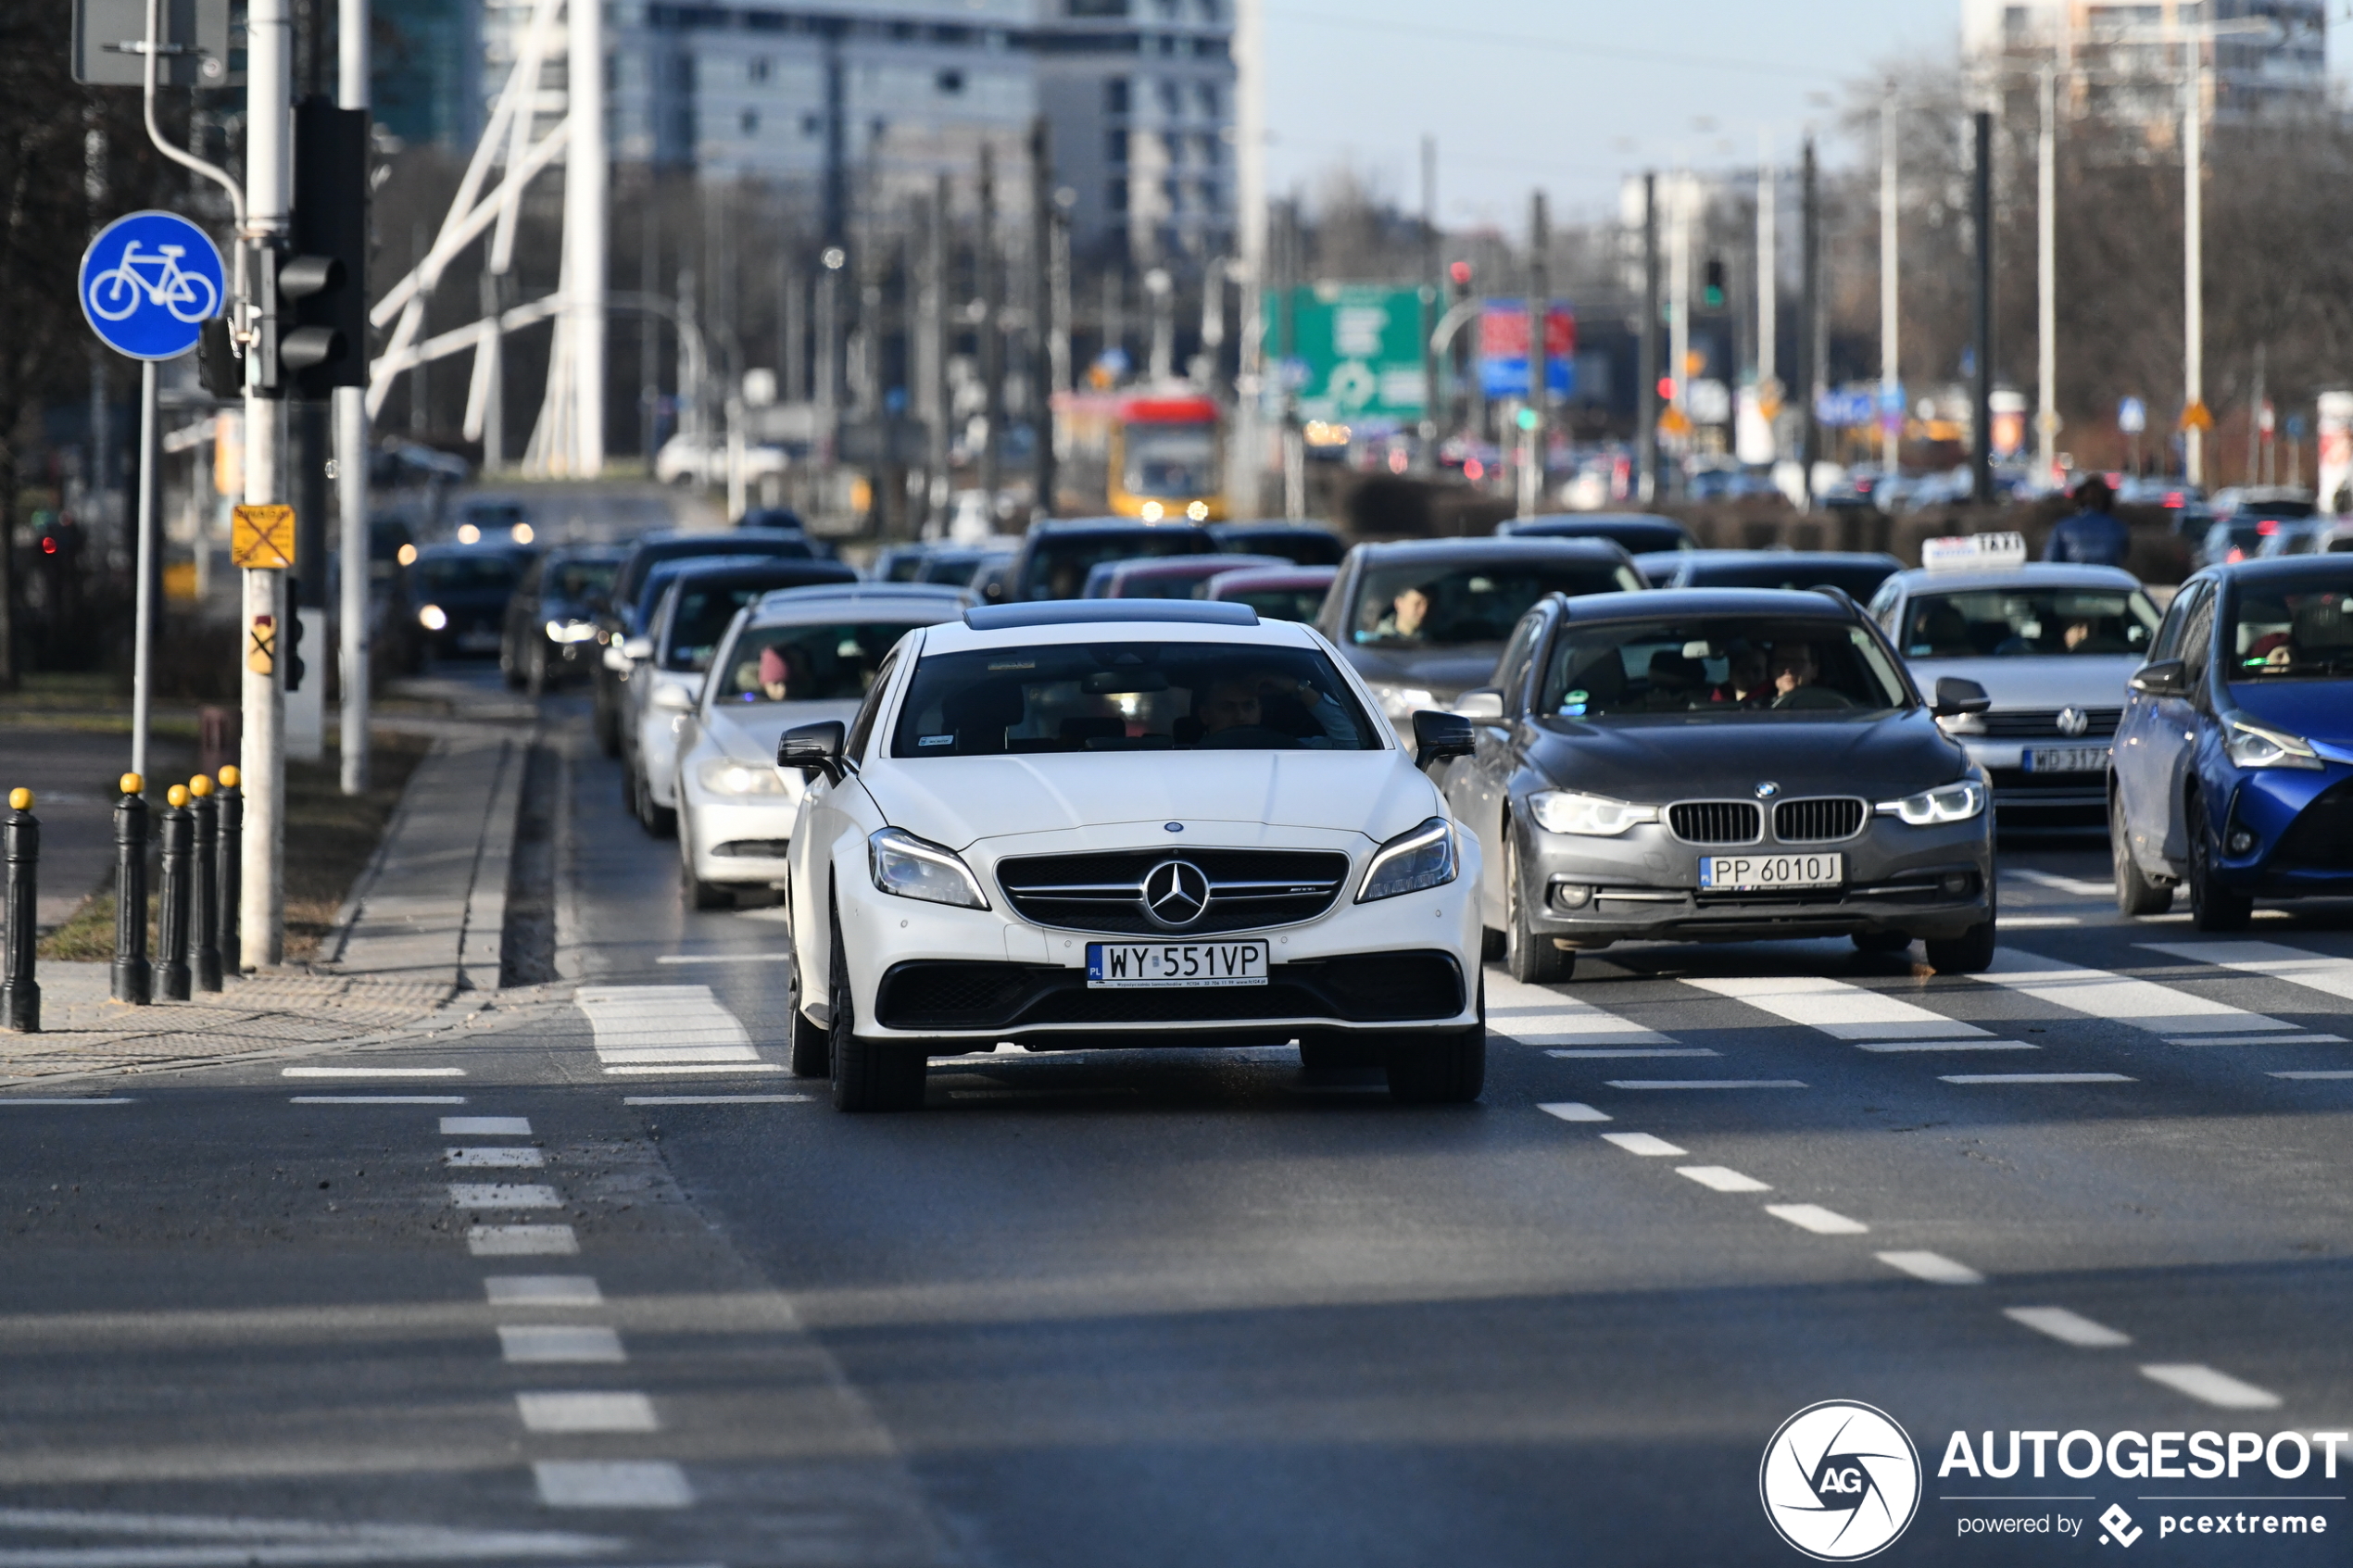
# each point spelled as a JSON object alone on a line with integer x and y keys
{"x": 596, "y": 1282}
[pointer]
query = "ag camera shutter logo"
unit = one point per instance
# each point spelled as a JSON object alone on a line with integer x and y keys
{"x": 1840, "y": 1481}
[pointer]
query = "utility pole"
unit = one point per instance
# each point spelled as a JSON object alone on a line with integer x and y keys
{"x": 1539, "y": 295}
{"x": 1246, "y": 458}
{"x": 1810, "y": 341}
{"x": 1891, "y": 379}
{"x": 261, "y": 915}
{"x": 1769, "y": 271}
{"x": 992, "y": 343}
{"x": 1045, "y": 258}
{"x": 2194, "y": 414}
{"x": 932, "y": 357}
{"x": 1433, "y": 287}
{"x": 2046, "y": 420}
{"x": 309, "y": 427}
{"x": 1647, "y": 436}
{"x": 1679, "y": 301}
{"x": 1982, "y": 411}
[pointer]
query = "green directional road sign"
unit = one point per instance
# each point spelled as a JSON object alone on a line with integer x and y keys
{"x": 1351, "y": 351}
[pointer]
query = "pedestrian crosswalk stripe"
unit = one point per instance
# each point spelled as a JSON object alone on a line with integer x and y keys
{"x": 643, "y": 1031}
{"x": 1534, "y": 1016}
{"x": 1837, "y": 1009}
{"x": 2273, "y": 960}
{"x": 2141, "y": 1004}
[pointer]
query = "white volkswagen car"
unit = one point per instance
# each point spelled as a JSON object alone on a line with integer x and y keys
{"x": 1096, "y": 824}
{"x": 798, "y": 656}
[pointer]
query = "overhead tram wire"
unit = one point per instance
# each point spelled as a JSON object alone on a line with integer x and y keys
{"x": 1562, "y": 45}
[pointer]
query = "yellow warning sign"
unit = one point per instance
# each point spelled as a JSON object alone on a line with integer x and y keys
{"x": 2197, "y": 417}
{"x": 262, "y": 538}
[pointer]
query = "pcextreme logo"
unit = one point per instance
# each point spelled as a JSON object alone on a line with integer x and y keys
{"x": 1840, "y": 1481}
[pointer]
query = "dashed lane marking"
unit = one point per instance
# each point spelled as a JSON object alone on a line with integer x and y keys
{"x": 2273, "y": 960}
{"x": 1611, "y": 1055}
{"x": 721, "y": 957}
{"x": 2039, "y": 923}
{"x": 640, "y": 1056}
{"x": 587, "y": 1412}
{"x": 2069, "y": 1329}
{"x": 1814, "y": 1217}
{"x": 67, "y": 1099}
{"x": 1933, "y": 1267}
{"x": 542, "y": 1290}
{"x": 2076, "y": 886}
{"x": 1643, "y": 1144}
{"x": 1721, "y": 1178}
{"x": 2296, "y": 1039}
{"x": 1884, "y": 1047}
{"x": 376, "y": 1100}
{"x": 717, "y": 1099}
{"x": 2217, "y": 1389}
{"x": 521, "y": 1241}
{"x": 1705, "y": 1084}
{"x": 1574, "y": 1111}
{"x": 2139, "y": 1003}
{"x": 236, "y": 1540}
{"x": 504, "y": 1195}
{"x": 676, "y": 1069}
{"x": 371, "y": 1073}
{"x": 2311, "y": 1076}
{"x": 486, "y": 1126}
{"x": 646, "y": 1030}
{"x": 1838, "y": 1010}
{"x": 560, "y": 1342}
{"x": 625, "y": 1484}
{"x": 2034, "y": 1078}
{"x": 524, "y": 1159}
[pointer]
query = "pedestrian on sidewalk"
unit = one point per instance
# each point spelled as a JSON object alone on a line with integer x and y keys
{"x": 2093, "y": 536}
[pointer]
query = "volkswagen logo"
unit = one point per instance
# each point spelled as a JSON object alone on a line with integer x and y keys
{"x": 1175, "y": 892}
{"x": 1767, "y": 790}
{"x": 2073, "y": 722}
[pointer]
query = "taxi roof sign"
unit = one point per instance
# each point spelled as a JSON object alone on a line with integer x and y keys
{"x": 1974, "y": 552}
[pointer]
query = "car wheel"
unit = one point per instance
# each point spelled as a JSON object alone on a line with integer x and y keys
{"x": 2136, "y": 894}
{"x": 534, "y": 673}
{"x": 1492, "y": 943}
{"x": 1882, "y": 941}
{"x": 1450, "y": 1069}
{"x": 510, "y": 668}
{"x": 869, "y": 1074}
{"x": 2212, "y": 907}
{"x": 809, "y": 1050}
{"x": 1328, "y": 1053}
{"x": 1531, "y": 959}
{"x": 702, "y": 895}
{"x": 659, "y": 822}
{"x": 1969, "y": 953}
{"x": 608, "y": 726}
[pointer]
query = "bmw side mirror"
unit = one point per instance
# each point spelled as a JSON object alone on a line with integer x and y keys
{"x": 814, "y": 748}
{"x": 1438, "y": 736}
{"x": 1480, "y": 704}
{"x": 2167, "y": 677}
{"x": 1956, "y": 696}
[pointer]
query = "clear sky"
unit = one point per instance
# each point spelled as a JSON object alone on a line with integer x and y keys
{"x": 1564, "y": 94}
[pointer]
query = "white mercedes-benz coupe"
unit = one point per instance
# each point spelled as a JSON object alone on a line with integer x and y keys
{"x": 1076, "y": 825}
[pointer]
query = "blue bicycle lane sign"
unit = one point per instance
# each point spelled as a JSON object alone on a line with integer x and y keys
{"x": 148, "y": 284}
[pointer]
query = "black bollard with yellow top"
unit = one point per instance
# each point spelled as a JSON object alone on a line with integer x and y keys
{"x": 132, "y": 977}
{"x": 203, "y": 908}
{"x": 20, "y": 994}
{"x": 226, "y": 878}
{"x": 171, "y": 919}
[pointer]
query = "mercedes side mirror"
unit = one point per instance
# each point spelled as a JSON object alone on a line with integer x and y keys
{"x": 1956, "y": 696}
{"x": 637, "y": 649}
{"x": 1438, "y": 736}
{"x": 1480, "y": 704}
{"x": 2167, "y": 677}
{"x": 814, "y": 748}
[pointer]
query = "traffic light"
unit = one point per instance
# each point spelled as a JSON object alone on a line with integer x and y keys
{"x": 1459, "y": 273}
{"x": 292, "y": 647}
{"x": 1711, "y": 294}
{"x": 322, "y": 284}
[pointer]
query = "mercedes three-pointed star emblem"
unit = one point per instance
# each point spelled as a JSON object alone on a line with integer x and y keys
{"x": 1175, "y": 892}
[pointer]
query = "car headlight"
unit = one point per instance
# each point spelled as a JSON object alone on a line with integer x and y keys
{"x": 725, "y": 775}
{"x": 1952, "y": 803}
{"x": 1401, "y": 703}
{"x": 571, "y": 630}
{"x": 2252, "y": 745}
{"x": 1412, "y": 861}
{"x": 1596, "y": 816}
{"x": 432, "y": 617}
{"x": 913, "y": 867}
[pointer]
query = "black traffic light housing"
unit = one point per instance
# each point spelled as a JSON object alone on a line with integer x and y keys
{"x": 322, "y": 281}
{"x": 1711, "y": 295}
{"x": 292, "y": 647}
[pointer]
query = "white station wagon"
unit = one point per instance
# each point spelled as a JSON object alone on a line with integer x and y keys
{"x": 1074, "y": 825}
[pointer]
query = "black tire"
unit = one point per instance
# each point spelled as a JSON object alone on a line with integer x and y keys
{"x": 1531, "y": 959}
{"x": 698, "y": 894}
{"x": 659, "y": 822}
{"x": 2212, "y": 907}
{"x": 809, "y": 1050}
{"x": 1448, "y": 1069}
{"x": 608, "y": 724}
{"x": 1882, "y": 941}
{"x": 1327, "y": 1053}
{"x": 1969, "y": 953}
{"x": 868, "y": 1075}
{"x": 1492, "y": 943}
{"x": 2136, "y": 894}
{"x": 510, "y": 669}
{"x": 534, "y": 672}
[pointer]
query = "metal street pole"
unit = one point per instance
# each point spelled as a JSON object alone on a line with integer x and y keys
{"x": 1678, "y": 298}
{"x": 1045, "y": 260}
{"x": 143, "y": 646}
{"x": 1891, "y": 380}
{"x": 1246, "y": 456}
{"x": 2193, "y": 268}
{"x": 1768, "y": 271}
{"x": 586, "y": 177}
{"x": 2046, "y": 422}
{"x": 1809, "y": 341}
{"x": 939, "y": 407}
{"x": 261, "y": 922}
{"x": 992, "y": 341}
{"x": 1432, "y": 285}
{"x": 1540, "y": 295}
{"x": 1647, "y": 436}
{"x": 1982, "y": 410}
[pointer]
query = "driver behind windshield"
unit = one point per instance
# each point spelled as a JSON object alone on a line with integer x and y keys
{"x": 1237, "y": 703}
{"x": 1792, "y": 667}
{"x": 1407, "y": 614}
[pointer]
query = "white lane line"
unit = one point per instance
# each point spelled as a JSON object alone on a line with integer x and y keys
{"x": 522, "y": 1159}
{"x": 679, "y": 1067}
{"x": 1838, "y": 1010}
{"x": 2311, "y": 1076}
{"x": 2039, "y": 923}
{"x": 375, "y": 1100}
{"x": 1534, "y": 1016}
{"x": 1574, "y": 1111}
{"x": 650, "y": 1029}
{"x": 2069, "y": 1329}
{"x": 542, "y": 1290}
{"x": 1933, "y": 1267}
{"x": 2034, "y": 1078}
{"x": 504, "y": 1195}
{"x": 285, "y": 1538}
{"x": 371, "y": 1073}
{"x": 1705, "y": 1084}
{"x": 625, "y": 1484}
{"x": 2076, "y": 886}
{"x": 2139, "y": 1003}
{"x": 521, "y": 1241}
{"x": 716, "y": 1099}
{"x": 1721, "y": 1178}
{"x": 560, "y": 1342}
{"x": 618, "y": 1055}
{"x": 1643, "y": 1144}
{"x": 1888, "y": 1047}
{"x": 2273, "y": 960}
{"x": 587, "y": 1412}
{"x": 2218, "y": 1389}
{"x": 721, "y": 958}
{"x": 486, "y": 1126}
{"x": 2296, "y": 1039}
{"x": 65, "y": 1099}
{"x": 1607, "y": 1054}
{"x": 1814, "y": 1217}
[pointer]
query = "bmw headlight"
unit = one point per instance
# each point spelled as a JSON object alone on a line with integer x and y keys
{"x": 1596, "y": 816}
{"x": 2252, "y": 745}
{"x": 1401, "y": 703}
{"x": 1412, "y": 861}
{"x": 1952, "y": 803}
{"x": 432, "y": 617}
{"x": 571, "y": 630}
{"x": 915, "y": 868}
{"x": 725, "y": 775}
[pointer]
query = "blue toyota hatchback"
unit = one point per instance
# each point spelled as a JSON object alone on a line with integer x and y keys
{"x": 2232, "y": 766}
